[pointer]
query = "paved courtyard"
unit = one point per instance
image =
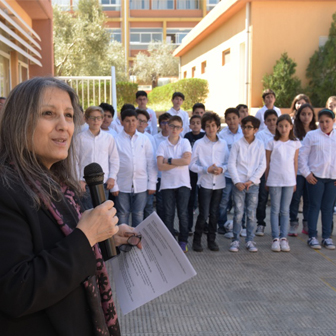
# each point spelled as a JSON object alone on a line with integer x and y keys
{"x": 263, "y": 293}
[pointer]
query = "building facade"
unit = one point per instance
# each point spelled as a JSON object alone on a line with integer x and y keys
{"x": 26, "y": 43}
{"x": 135, "y": 23}
{"x": 239, "y": 41}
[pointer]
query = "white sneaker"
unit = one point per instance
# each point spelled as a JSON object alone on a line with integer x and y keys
{"x": 250, "y": 246}
{"x": 243, "y": 233}
{"x": 284, "y": 245}
{"x": 234, "y": 247}
{"x": 228, "y": 235}
{"x": 229, "y": 225}
{"x": 335, "y": 210}
{"x": 275, "y": 245}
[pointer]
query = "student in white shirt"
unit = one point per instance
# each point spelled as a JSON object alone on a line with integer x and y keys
{"x": 94, "y": 145}
{"x": 230, "y": 134}
{"x": 243, "y": 111}
{"x": 177, "y": 100}
{"x": 173, "y": 158}
{"x": 108, "y": 117}
{"x": 142, "y": 101}
{"x": 208, "y": 160}
{"x": 143, "y": 118}
{"x": 160, "y": 137}
{"x": 116, "y": 123}
{"x": 247, "y": 164}
{"x": 269, "y": 100}
{"x": 267, "y": 134}
{"x": 317, "y": 163}
{"x": 137, "y": 174}
{"x": 282, "y": 164}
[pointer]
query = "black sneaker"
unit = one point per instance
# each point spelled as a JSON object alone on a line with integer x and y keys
{"x": 212, "y": 246}
{"x": 197, "y": 246}
{"x": 221, "y": 231}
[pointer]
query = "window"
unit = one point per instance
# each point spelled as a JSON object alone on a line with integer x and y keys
{"x": 188, "y": 4}
{"x": 141, "y": 37}
{"x": 4, "y": 74}
{"x": 185, "y": 74}
{"x": 175, "y": 36}
{"x": 211, "y": 4}
{"x": 162, "y": 4}
{"x": 226, "y": 56}
{"x": 139, "y": 4}
{"x": 115, "y": 34}
{"x": 111, "y": 5}
{"x": 203, "y": 67}
{"x": 193, "y": 70}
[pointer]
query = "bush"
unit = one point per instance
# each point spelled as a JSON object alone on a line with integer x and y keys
{"x": 195, "y": 90}
{"x": 126, "y": 93}
{"x": 321, "y": 70}
{"x": 283, "y": 82}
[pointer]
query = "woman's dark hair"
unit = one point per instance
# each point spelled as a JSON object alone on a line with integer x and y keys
{"x": 210, "y": 116}
{"x": 291, "y": 135}
{"x": 18, "y": 163}
{"x": 299, "y": 130}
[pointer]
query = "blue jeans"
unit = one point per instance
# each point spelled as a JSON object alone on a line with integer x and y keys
{"x": 280, "y": 200}
{"x": 131, "y": 203}
{"x": 262, "y": 202}
{"x": 180, "y": 197}
{"x": 159, "y": 202}
{"x": 209, "y": 200}
{"x": 223, "y": 206}
{"x": 246, "y": 200}
{"x": 192, "y": 199}
{"x": 321, "y": 197}
{"x": 86, "y": 198}
{"x": 149, "y": 206}
{"x": 301, "y": 190}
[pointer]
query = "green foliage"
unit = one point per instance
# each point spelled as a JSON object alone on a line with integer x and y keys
{"x": 159, "y": 63}
{"x": 82, "y": 45}
{"x": 283, "y": 82}
{"x": 126, "y": 93}
{"x": 195, "y": 90}
{"x": 322, "y": 69}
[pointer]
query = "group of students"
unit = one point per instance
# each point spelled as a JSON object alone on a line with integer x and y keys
{"x": 190, "y": 162}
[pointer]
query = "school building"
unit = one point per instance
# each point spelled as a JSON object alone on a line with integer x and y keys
{"x": 135, "y": 23}
{"x": 239, "y": 41}
{"x": 26, "y": 41}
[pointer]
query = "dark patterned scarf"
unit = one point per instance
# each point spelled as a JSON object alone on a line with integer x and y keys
{"x": 98, "y": 289}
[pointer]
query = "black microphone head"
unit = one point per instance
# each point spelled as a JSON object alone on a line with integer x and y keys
{"x": 93, "y": 174}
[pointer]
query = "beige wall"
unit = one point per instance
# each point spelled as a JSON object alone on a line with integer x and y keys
{"x": 225, "y": 82}
{"x": 285, "y": 26}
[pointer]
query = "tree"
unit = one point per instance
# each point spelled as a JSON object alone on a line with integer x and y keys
{"x": 282, "y": 81}
{"x": 160, "y": 62}
{"x": 82, "y": 45}
{"x": 322, "y": 68}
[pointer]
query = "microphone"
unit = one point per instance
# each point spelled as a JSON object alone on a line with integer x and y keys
{"x": 94, "y": 177}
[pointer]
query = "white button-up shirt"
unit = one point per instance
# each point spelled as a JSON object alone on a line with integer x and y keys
{"x": 178, "y": 176}
{"x": 205, "y": 154}
{"x": 116, "y": 125}
{"x": 247, "y": 162}
{"x": 137, "y": 171}
{"x": 100, "y": 149}
{"x": 230, "y": 139}
{"x": 265, "y": 136}
{"x": 110, "y": 131}
{"x": 185, "y": 119}
{"x": 152, "y": 122}
{"x": 317, "y": 155}
{"x": 260, "y": 115}
{"x": 158, "y": 138}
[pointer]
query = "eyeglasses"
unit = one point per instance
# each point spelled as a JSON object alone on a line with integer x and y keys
{"x": 175, "y": 127}
{"x": 247, "y": 127}
{"x": 133, "y": 240}
{"x": 142, "y": 121}
{"x": 164, "y": 122}
{"x": 96, "y": 118}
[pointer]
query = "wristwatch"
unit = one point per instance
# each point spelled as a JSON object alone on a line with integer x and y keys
{"x": 170, "y": 161}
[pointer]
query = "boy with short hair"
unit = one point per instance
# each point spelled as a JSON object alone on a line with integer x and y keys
{"x": 173, "y": 158}
{"x": 160, "y": 137}
{"x": 230, "y": 134}
{"x": 108, "y": 117}
{"x": 143, "y": 119}
{"x": 269, "y": 100}
{"x": 137, "y": 174}
{"x": 209, "y": 161}
{"x": 267, "y": 134}
{"x": 93, "y": 145}
{"x": 116, "y": 123}
{"x": 177, "y": 100}
{"x": 198, "y": 109}
{"x": 243, "y": 111}
{"x": 247, "y": 163}
{"x": 193, "y": 136}
{"x": 142, "y": 101}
